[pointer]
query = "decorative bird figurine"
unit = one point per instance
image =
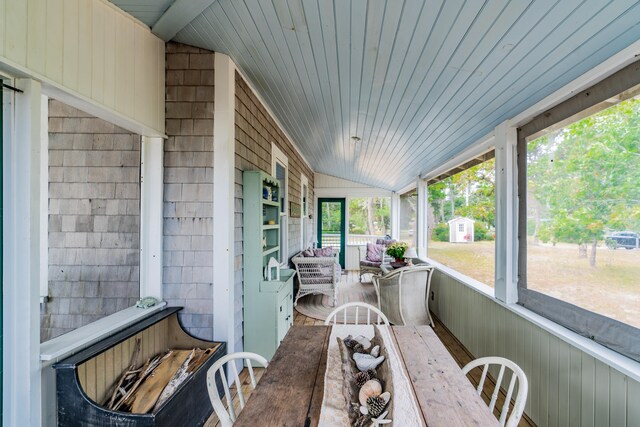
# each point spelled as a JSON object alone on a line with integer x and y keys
{"x": 365, "y": 362}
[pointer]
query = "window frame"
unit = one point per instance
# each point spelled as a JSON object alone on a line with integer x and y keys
{"x": 487, "y": 153}
{"x": 616, "y": 335}
{"x": 277, "y": 156}
{"x": 304, "y": 210}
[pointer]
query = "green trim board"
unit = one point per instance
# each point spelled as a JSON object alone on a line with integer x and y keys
{"x": 333, "y": 228}
{"x": 1, "y": 245}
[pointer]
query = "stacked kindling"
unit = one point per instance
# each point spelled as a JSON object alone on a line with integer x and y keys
{"x": 143, "y": 388}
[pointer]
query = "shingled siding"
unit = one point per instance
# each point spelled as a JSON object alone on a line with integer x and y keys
{"x": 255, "y": 130}
{"x": 94, "y": 220}
{"x": 188, "y": 186}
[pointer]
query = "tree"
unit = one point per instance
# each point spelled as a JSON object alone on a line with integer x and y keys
{"x": 470, "y": 193}
{"x": 586, "y": 176}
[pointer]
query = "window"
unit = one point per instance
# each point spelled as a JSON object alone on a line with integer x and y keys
{"x": 369, "y": 219}
{"x": 408, "y": 202}
{"x": 461, "y": 218}
{"x": 579, "y": 260}
{"x": 279, "y": 169}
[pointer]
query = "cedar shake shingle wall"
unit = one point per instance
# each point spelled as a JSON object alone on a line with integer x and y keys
{"x": 255, "y": 130}
{"x": 188, "y": 186}
{"x": 94, "y": 220}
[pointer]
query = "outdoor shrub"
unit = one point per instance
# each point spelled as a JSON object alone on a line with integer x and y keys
{"x": 481, "y": 232}
{"x": 441, "y": 232}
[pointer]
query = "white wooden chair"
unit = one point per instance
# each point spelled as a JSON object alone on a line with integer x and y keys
{"x": 344, "y": 308}
{"x": 228, "y": 418}
{"x": 516, "y": 375}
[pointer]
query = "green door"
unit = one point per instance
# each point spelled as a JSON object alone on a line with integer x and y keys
{"x": 331, "y": 227}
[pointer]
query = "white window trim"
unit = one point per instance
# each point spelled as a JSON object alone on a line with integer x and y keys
{"x": 277, "y": 156}
{"x": 44, "y": 198}
{"x": 304, "y": 210}
{"x": 151, "y": 216}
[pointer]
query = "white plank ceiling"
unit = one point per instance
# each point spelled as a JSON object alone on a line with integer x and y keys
{"x": 417, "y": 81}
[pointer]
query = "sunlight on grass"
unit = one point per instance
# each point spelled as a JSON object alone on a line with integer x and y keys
{"x": 475, "y": 259}
{"x": 612, "y": 288}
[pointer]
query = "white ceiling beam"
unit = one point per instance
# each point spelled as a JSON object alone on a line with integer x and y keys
{"x": 178, "y": 16}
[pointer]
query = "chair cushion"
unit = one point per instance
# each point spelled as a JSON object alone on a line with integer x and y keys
{"x": 375, "y": 252}
{"x": 385, "y": 242}
{"x": 324, "y": 252}
{"x": 366, "y": 263}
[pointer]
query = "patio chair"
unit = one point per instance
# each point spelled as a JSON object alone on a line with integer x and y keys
{"x": 228, "y": 418}
{"x": 372, "y": 266}
{"x": 344, "y": 308}
{"x": 403, "y": 295}
{"x": 317, "y": 274}
{"x": 516, "y": 375}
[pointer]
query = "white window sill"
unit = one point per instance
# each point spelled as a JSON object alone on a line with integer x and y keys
{"x": 70, "y": 343}
{"x": 621, "y": 363}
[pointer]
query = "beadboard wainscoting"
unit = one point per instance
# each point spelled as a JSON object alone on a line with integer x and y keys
{"x": 568, "y": 386}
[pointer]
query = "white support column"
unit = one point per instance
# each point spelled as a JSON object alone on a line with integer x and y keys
{"x": 506, "y": 214}
{"x": 23, "y": 210}
{"x": 151, "y": 216}
{"x": 395, "y": 216}
{"x": 224, "y": 304}
{"x": 421, "y": 217}
{"x": 44, "y": 197}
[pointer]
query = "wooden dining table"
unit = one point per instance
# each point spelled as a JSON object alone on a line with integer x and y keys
{"x": 290, "y": 392}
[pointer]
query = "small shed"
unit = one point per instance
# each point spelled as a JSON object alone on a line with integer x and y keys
{"x": 461, "y": 230}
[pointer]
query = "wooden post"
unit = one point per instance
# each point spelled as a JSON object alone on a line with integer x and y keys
{"x": 224, "y": 311}
{"x": 395, "y": 216}
{"x": 23, "y": 212}
{"x": 506, "y": 277}
{"x": 421, "y": 218}
{"x": 151, "y": 217}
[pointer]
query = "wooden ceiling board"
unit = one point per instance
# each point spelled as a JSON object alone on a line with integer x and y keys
{"x": 147, "y": 11}
{"x": 419, "y": 81}
{"x": 535, "y": 86}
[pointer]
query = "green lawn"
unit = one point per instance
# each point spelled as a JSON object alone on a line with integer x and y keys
{"x": 611, "y": 288}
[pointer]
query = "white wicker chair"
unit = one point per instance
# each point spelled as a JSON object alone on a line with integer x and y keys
{"x": 517, "y": 375}
{"x": 403, "y": 295}
{"x": 317, "y": 275}
{"x": 228, "y": 418}
{"x": 332, "y": 318}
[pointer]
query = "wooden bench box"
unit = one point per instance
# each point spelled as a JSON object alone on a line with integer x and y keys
{"x": 88, "y": 376}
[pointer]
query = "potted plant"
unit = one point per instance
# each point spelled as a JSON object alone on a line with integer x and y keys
{"x": 396, "y": 250}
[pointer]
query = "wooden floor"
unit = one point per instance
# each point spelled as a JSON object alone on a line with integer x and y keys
{"x": 456, "y": 349}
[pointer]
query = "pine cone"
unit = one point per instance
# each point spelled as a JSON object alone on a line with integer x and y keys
{"x": 358, "y": 348}
{"x": 376, "y": 405}
{"x": 372, "y": 373}
{"x": 361, "y": 378}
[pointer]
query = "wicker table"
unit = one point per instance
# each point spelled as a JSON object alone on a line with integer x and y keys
{"x": 291, "y": 390}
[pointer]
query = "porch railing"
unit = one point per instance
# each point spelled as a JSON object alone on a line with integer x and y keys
{"x": 352, "y": 240}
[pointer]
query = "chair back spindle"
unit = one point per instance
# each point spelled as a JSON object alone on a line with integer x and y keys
{"x": 343, "y": 310}
{"x": 517, "y": 375}
{"x": 228, "y": 415}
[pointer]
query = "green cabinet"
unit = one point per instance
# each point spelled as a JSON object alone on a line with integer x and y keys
{"x": 268, "y": 305}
